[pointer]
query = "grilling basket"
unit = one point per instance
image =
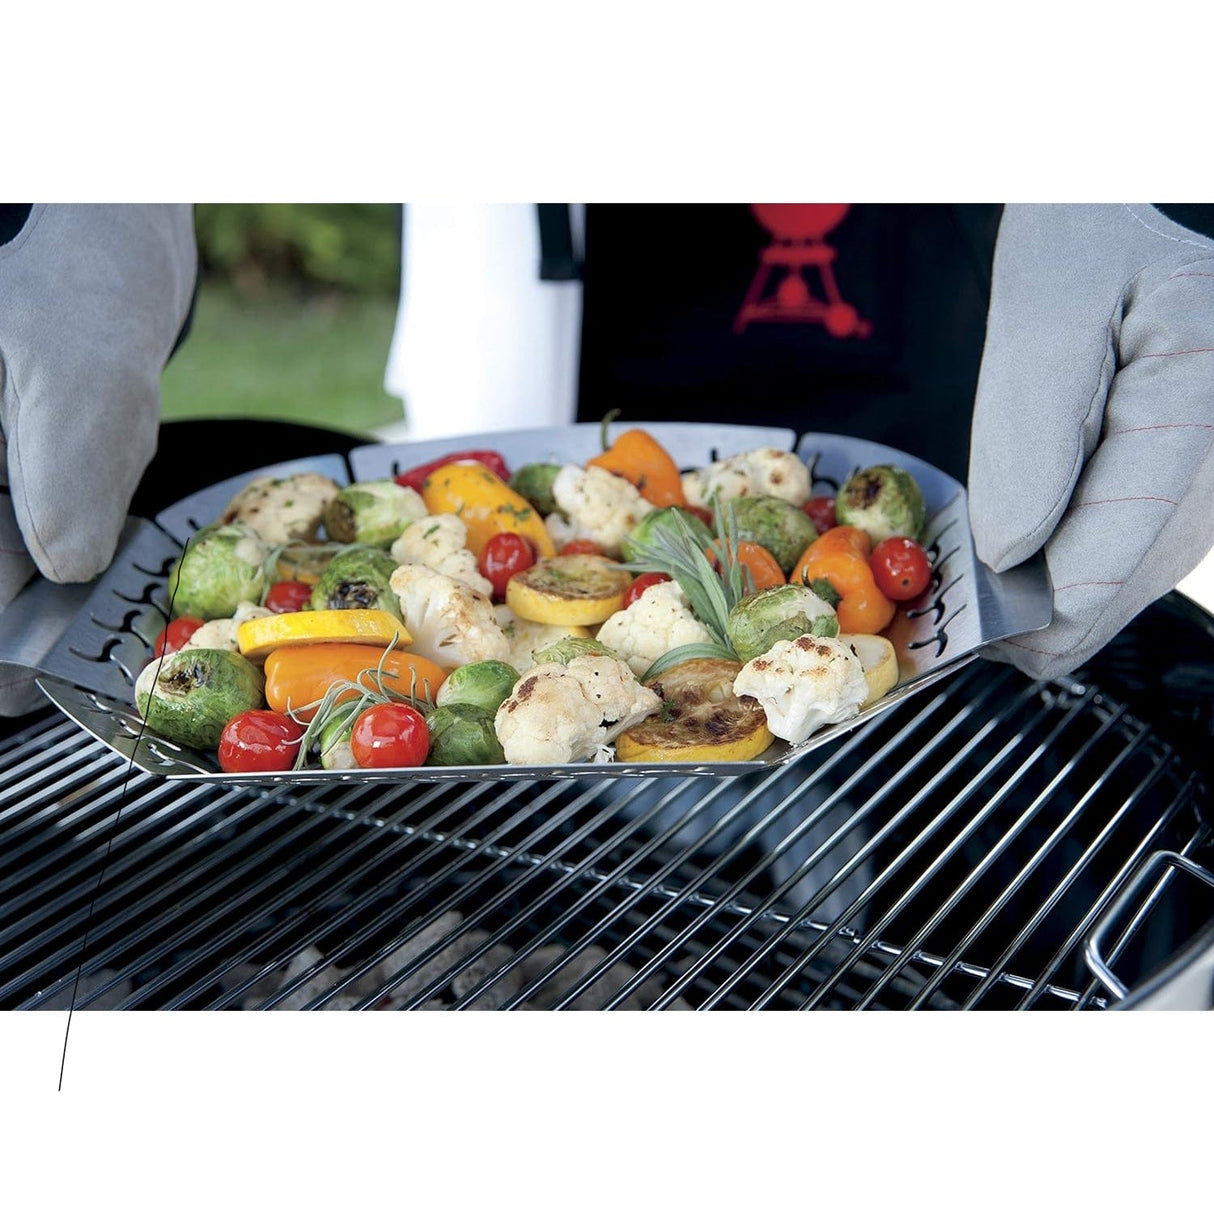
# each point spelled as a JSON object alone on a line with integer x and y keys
{"x": 89, "y": 644}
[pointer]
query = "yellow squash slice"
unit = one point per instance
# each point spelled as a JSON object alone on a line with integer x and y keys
{"x": 879, "y": 660}
{"x": 701, "y": 720}
{"x": 256, "y": 638}
{"x": 579, "y": 589}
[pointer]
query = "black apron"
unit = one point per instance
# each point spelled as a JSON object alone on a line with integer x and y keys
{"x": 865, "y": 320}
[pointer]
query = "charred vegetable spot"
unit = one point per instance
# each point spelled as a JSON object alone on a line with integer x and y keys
{"x": 184, "y": 679}
{"x": 523, "y": 692}
{"x": 761, "y": 664}
{"x": 863, "y": 491}
{"x": 777, "y": 477}
{"x": 353, "y": 594}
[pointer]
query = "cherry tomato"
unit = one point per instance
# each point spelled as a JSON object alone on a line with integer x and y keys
{"x": 390, "y": 735}
{"x": 175, "y": 634}
{"x": 901, "y": 568}
{"x": 702, "y": 513}
{"x": 503, "y": 556}
{"x": 641, "y": 584}
{"x": 582, "y": 548}
{"x": 821, "y": 511}
{"x": 259, "y": 740}
{"x": 288, "y": 596}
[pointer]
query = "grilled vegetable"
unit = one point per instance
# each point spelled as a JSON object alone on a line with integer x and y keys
{"x": 534, "y": 482}
{"x": 882, "y": 501}
{"x": 836, "y": 564}
{"x": 190, "y": 696}
{"x": 282, "y": 509}
{"x": 640, "y": 459}
{"x": 221, "y": 567}
{"x": 299, "y": 676}
{"x": 463, "y": 734}
{"x": 779, "y": 613}
{"x": 879, "y": 660}
{"x": 479, "y": 684}
{"x": 568, "y": 648}
{"x": 658, "y": 520}
{"x": 257, "y": 637}
{"x": 701, "y": 719}
{"x": 486, "y": 504}
{"x": 779, "y": 526}
{"x": 357, "y": 578}
{"x": 568, "y": 590}
{"x": 415, "y": 478}
{"x": 372, "y": 512}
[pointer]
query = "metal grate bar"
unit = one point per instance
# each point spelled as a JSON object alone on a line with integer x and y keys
{"x": 1145, "y": 844}
{"x": 913, "y": 849}
{"x": 856, "y": 861}
{"x": 615, "y": 877}
{"x": 399, "y": 835}
{"x": 74, "y": 882}
{"x": 403, "y": 839}
{"x": 1140, "y": 916}
{"x": 460, "y": 861}
{"x": 485, "y": 909}
{"x": 1045, "y": 850}
{"x": 230, "y": 881}
{"x": 994, "y": 852}
{"x": 860, "y": 740}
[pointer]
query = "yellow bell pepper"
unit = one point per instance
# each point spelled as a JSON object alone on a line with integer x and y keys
{"x": 486, "y": 504}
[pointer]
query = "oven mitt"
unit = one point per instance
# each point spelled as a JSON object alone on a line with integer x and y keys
{"x": 92, "y": 299}
{"x": 1093, "y": 431}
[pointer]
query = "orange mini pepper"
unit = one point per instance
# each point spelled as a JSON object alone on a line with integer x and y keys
{"x": 639, "y": 458}
{"x": 840, "y": 557}
{"x": 764, "y": 569}
{"x": 301, "y": 674}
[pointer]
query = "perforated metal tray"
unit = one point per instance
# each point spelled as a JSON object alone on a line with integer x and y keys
{"x": 89, "y": 655}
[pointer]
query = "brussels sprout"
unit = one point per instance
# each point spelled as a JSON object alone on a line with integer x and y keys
{"x": 882, "y": 501}
{"x": 657, "y": 520}
{"x": 534, "y": 482}
{"x": 220, "y": 568}
{"x": 484, "y": 684}
{"x": 782, "y": 528}
{"x": 334, "y": 740}
{"x": 462, "y": 734}
{"x": 568, "y": 648}
{"x": 191, "y": 695}
{"x": 372, "y": 512}
{"x": 779, "y": 613}
{"x": 357, "y": 577}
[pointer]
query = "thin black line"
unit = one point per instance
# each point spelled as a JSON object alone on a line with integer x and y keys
{"x": 88, "y": 921}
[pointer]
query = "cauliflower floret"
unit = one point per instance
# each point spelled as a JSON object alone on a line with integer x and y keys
{"x": 597, "y": 505}
{"x": 526, "y": 637}
{"x": 767, "y": 471}
{"x": 440, "y": 541}
{"x": 221, "y": 634}
{"x": 282, "y": 509}
{"x": 450, "y": 623}
{"x": 660, "y": 620}
{"x": 804, "y": 684}
{"x": 570, "y": 713}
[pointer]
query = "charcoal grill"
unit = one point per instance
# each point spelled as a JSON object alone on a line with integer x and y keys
{"x": 993, "y": 843}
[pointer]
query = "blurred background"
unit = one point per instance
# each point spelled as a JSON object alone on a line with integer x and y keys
{"x": 294, "y": 316}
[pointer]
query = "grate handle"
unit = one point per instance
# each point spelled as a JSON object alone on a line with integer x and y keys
{"x": 1093, "y": 947}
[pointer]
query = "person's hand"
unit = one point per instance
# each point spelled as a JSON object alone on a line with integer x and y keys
{"x": 1093, "y": 433}
{"x": 92, "y": 299}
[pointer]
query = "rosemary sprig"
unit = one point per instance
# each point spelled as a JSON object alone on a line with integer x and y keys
{"x": 676, "y": 551}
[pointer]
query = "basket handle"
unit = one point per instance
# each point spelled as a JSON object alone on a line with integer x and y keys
{"x": 1093, "y": 947}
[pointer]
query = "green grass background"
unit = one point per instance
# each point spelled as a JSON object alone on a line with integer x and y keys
{"x": 285, "y": 355}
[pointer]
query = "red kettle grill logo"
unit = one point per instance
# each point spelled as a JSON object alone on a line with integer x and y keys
{"x": 779, "y": 291}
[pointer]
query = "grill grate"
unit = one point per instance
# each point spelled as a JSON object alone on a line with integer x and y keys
{"x": 954, "y": 852}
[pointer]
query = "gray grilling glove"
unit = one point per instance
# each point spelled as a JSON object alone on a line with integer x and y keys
{"x": 1093, "y": 432}
{"x": 92, "y": 299}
